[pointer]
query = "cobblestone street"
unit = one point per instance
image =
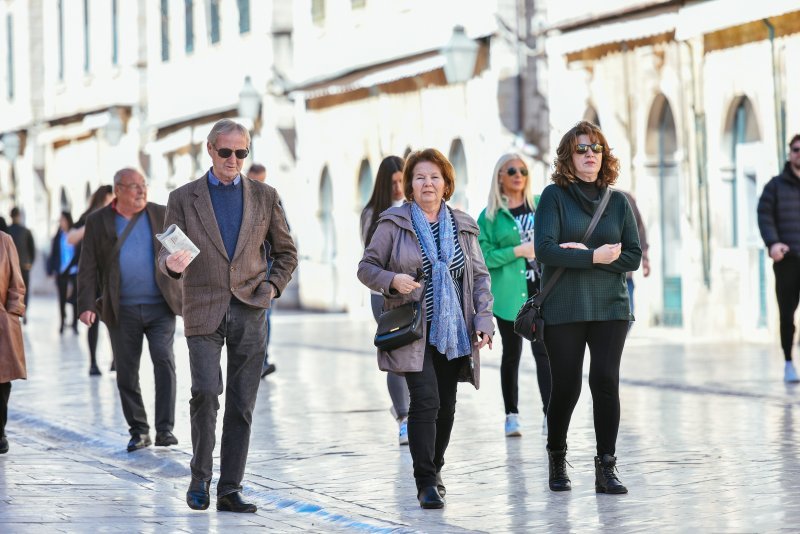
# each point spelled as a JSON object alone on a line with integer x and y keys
{"x": 708, "y": 442}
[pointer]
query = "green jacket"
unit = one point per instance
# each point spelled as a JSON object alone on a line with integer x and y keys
{"x": 509, "y": 285}
{"x": 586, "y": 291}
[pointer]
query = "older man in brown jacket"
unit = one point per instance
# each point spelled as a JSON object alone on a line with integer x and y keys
{"x": 118, "y": 256}
{"x": 226, "y": 291}
{"x": 12, "y": 350}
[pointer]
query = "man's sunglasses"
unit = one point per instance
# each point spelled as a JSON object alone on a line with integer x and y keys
{"x": 796, "y": 149}
{"x": 226, "y": 152}
{"x": 511, "y": 171}
{"x": 582, "y": 148}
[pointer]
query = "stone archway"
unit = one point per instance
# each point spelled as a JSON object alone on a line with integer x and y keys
{"x": 365, "y": 183}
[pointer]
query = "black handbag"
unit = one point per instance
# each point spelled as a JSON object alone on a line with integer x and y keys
{"x": 530, "y": 322}
{"x": 402, "y": 325}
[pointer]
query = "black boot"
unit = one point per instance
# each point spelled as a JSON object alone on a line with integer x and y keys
{"x": 605, "y": 477}
{"x": 559, "y": 481}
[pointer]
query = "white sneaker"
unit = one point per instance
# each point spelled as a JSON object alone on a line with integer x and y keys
{"x": 790, "y": 374}
{"x": 512, "y": 426}
{"x": 402, "y": 436}
{"x": 544, "y": 426}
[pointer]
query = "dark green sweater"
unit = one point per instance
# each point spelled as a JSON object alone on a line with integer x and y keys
{"x": 586, "y": 291}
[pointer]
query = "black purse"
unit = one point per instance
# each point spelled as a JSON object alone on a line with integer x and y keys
{"x": 530, "y": 322}
{"x": 402, "y": 325}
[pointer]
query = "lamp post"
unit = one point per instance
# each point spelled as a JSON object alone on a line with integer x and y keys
{"x": 250, "y": 106}
{"x": 11, "y": 146}
{"x": 460, "y": 54}
{"x": 114, "y": 128}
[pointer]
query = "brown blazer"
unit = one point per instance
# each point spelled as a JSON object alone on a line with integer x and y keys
{"x": 99, "y": 273}
{"x": 212, "y": 278}
{"x": 12, "y": 307}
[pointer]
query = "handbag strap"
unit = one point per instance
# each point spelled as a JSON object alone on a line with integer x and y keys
{"x": 595, "y": 219}
{"x": 125, "y": 233}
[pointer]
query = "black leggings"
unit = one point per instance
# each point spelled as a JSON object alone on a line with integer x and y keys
{"x": 67, "y": 282}
{"x": 787, "y": 289}
{"x": 566, "y": 344}
{"x": 5, "y": 393}
{"x": 509, "y": 366}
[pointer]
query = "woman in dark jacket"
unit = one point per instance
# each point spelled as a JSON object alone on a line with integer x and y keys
{"x": 589, "y": 304}
{"x": 457, "y": 305}
{"x": 63, "y": 265}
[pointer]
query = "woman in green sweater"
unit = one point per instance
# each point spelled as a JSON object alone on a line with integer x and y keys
{"x": 589, "y": 304}
{"x": 506, "y": 240}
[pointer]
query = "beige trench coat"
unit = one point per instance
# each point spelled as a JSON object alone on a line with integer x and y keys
{"x": 12, "y": 307}
{"x": 394, "y": 249}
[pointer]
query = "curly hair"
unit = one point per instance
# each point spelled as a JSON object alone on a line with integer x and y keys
{"x": 564, "y": 170}
{"x": 431, "y": 155}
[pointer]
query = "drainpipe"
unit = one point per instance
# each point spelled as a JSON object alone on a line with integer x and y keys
{"x": 779, "y": 126}
{"x": 702, "y": 178}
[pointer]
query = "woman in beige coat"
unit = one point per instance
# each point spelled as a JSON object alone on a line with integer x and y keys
{"x": 12, "y": 308}
{"x": 426, "y": 234}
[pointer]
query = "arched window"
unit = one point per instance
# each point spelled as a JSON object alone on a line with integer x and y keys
{"x": 326, "y": 217}
{"x": 365, "y": 182}
{"x": 459, "y": 160}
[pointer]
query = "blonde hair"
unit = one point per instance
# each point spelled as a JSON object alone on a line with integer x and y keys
{"x": 497, "y": 199}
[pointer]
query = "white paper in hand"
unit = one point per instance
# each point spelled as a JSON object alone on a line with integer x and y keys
{"x": 174, "y": 240}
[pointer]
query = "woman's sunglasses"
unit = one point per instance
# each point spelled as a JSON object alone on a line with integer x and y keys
{"x": 582, "y": 148}
{"x": 226, "y": 152}
{"x": 511, "y": 171}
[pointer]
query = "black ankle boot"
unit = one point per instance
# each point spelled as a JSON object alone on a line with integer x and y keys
{"x": 605, "y": 477}
{"x": 559, "y": 481}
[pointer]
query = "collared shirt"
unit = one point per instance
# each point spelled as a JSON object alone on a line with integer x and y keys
{"x": 213, "y": 180}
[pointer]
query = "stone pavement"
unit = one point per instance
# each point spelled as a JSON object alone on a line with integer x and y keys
{"x": 708, "y": 442}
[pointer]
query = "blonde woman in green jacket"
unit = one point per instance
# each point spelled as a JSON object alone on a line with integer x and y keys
{"x": 506, "y": 240}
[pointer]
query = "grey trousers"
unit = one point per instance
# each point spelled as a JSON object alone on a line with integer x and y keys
{"x": 242, "y": 330}
{"x": 157, "y": 323}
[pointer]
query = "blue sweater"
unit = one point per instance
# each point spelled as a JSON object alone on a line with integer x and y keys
{"x": 137, "y": 264}
{"x": 228, "y": 202}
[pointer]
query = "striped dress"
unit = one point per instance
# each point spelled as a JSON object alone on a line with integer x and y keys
{"x": 456, "y": 268}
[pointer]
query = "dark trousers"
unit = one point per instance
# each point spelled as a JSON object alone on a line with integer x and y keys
{"x": 26, "y": 278}
{"x": 91, "y": 337}
{"x": 509, "y": 366}
{"x": 242, "y": 331}
{"x": 787, "y": 289}
{"x": 5, "y": 393}
{"x": 157, "y": 323}
{"x": 67, "y": 293}
{"x": 566, "y": 344}
{"x": 431, "y": 413}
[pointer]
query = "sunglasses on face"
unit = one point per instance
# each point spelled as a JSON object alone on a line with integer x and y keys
{"x": 511, "y": 171}
{"x": 796, "y": 149}
{"x": 582, "y": 148}
{"x": 226, "y": 152}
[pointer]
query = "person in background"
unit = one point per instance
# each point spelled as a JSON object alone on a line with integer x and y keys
{"x": 589, "y": 303}
{"x": 779, "y": 223}
{"x": 642, "y": 243}
{"x": 427, "y": 234}
{"x": 12, "y": 350}
{"x": 507, "y": 243}
{"x": 3, "y": 225}
{"x": 63, "y": 265}
{"x": 258, "y": 173}
{"x": 387, "y": 193}
{"x": 138, "y": 301}
{"x": 101, "y": 198}
{"x": 26, "y": 249}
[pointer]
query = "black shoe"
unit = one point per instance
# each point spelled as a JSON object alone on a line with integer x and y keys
{"x": 267, "y": 369}
{"x": 75, "y": 327}
{"x": 440, "y": 485}
{"x": 429, "y": 498}
{"x": 165, "y": 439}
{"x": 113, "y": 366}
{"x": 197, "y": 497}
{"x": 61, "y": 328}
{"x": 558, "y": 478}
{"x": 605, "y": 478}
{"x": 94, "y": 371}
{"x": 3, "y": 445}
{"x": 233, "y": 502}
{"x": 139, "y": 441}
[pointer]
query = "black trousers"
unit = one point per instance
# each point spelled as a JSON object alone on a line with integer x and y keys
{"x": 67, "y": 293}
{"x": 26, "y": 278}
{"x": 431, "y": 413}
{"x": 509, "y": 366}
{"x": 787, "y": 289}
{"x": 5, "y": 393}
{"x": 566, "y": 344}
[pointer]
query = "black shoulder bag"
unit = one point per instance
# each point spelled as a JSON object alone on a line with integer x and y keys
{"x": 98, "y": 303}
{"x": 402, "y": 325}
{"x": 529, "y": 322}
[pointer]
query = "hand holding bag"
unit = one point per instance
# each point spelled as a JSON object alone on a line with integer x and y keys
{"x": 402, "y": 325}
{"x": 530, "y": 322}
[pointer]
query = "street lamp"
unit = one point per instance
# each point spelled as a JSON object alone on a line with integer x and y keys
{"x": 460, "y": 54}
{"x": 114, "y": 128}
{"x": 250, "y": 106}
{"x": 11, "y": 143}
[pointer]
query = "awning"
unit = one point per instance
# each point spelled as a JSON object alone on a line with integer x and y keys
{"x": 713, "y": 15}
{"x": 631, "y": 29}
